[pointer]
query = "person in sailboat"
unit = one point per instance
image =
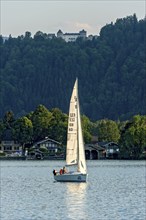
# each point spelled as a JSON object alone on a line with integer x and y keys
{"x": 61, "y": 171}
{"x": 64, "y": 170}
{"x": 54, "y": 172}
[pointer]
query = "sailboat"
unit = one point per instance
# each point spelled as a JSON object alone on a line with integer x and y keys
{"x": 75, "y": 152}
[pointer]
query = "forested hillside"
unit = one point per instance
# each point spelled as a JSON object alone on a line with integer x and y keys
{"x": 111, "y": 71}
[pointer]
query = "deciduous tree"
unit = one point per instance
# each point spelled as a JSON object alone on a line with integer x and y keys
{"x": 133, "y": 138}
{"x": 23, "y": 130}
{"x": 108, "y": 131}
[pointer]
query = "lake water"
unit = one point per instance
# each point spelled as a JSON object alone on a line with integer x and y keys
{"x": 116, "y": 190}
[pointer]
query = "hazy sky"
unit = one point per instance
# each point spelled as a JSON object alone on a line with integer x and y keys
{"x": 47, "y": 16}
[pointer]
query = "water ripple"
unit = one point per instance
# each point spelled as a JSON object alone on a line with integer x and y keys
{"x": 116, "y": 190}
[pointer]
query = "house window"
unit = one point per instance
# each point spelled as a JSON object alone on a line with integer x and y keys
{"x": 8, "y": 148}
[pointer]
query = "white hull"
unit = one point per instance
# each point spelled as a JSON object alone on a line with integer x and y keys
{"x": 71, "y": 177}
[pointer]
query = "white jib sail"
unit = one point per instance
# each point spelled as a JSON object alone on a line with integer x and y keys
{"x": 81, "y": 158}
{"x": 71, "y": 150}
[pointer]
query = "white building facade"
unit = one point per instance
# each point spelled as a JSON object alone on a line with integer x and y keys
{"x": 71, "y": 37}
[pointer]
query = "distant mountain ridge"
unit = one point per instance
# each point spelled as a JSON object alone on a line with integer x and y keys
{"x": 111, "y": 71}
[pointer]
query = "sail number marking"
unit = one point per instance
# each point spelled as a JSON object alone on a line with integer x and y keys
{"x": 71, "y": 120}
{"x": 72, "y": 114}
{"x": 75, "y": 98}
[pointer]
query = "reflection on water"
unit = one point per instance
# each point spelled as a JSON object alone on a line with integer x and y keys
{"x": 76, "y": 200}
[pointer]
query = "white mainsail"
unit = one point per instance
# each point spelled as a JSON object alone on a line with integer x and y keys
{"x": 75, "y": 145}
{"x": 71, "y": 152}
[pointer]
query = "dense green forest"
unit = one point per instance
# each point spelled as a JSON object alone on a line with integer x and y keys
{"x": 111, "y": 71}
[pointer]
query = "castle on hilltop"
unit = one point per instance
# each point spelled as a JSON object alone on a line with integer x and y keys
{"x": 71, "y": 37}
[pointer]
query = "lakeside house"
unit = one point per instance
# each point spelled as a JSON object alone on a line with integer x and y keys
{"x": 8, "y": 145}
{"x": 111, "y": 149}
{"x": 52, "y": 147}
{"x": 94, "y": 152}
{"x": 102, "y": 150}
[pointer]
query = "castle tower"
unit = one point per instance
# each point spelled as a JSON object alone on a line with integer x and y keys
{"x": 83, "y": 33}
{"x": 60, "y": 34}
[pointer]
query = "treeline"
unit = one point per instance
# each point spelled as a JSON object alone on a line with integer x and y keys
{"x": 111, "y": 72}
{"x": 41, "y": 123}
